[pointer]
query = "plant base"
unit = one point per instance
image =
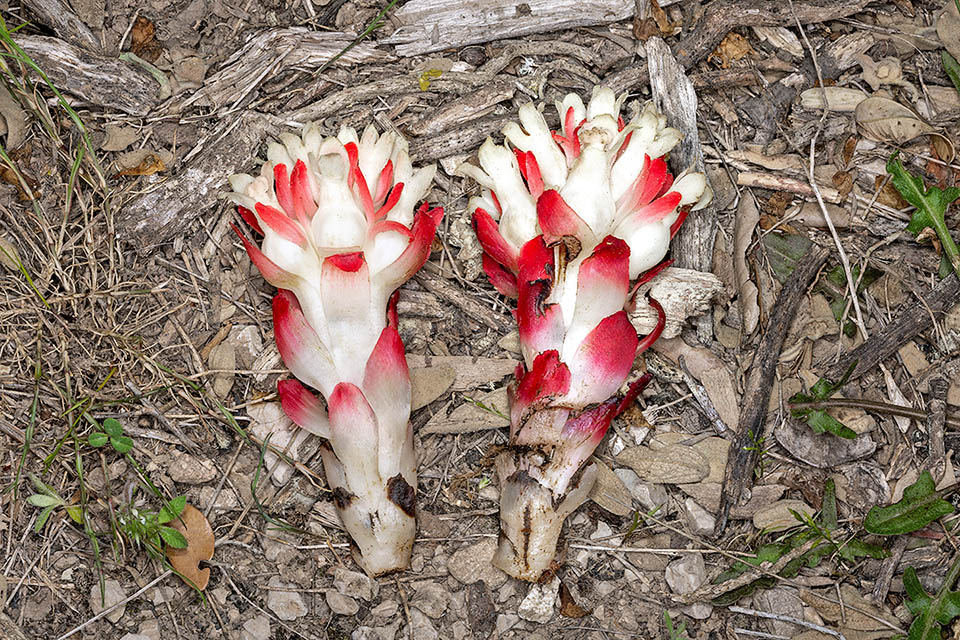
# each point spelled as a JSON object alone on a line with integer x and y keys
{"x": 532, "y": 514}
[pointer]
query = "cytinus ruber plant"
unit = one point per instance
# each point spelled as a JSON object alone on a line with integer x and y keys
{"x": 340, "y": 235}
{"x": 571, "y": 223}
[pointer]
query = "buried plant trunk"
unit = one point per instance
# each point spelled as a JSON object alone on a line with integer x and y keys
{"x": 340, "y": 235}
{"x": 572, "y": 223}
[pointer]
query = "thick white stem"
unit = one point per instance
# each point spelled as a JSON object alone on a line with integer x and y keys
{"x": 532, "y": 514}
{"x": 379, "y": 516}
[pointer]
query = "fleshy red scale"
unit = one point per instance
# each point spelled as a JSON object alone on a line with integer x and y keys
{"x": 493, "y": 243}
{"x": 281, "y": 186}
{"x": 603, "y": 360}
{"x": 391, "y": 202}
{"x": 502, "y": 279}
{"x": 384, "y": 182}
{"x": 281, "y": 224}
{"x": 251, "y": 219}
{"x": 269, "y": 269}
{"x": 558, "y": 219}
{"x": 650, "y": 338}
{"x": 303, "y": 407}
{"x": 349, "y": 262}
{"x": 548, "y": 378}
{"x": 303, "y": 204}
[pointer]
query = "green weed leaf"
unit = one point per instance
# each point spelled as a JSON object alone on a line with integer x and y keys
{"x": 75, "y": 512}
{"x": 42, "y": 519}
{"x": 98, "y": 439}
{"x": 173, "y": 537}
{"x": 123, "y": 444}
{"x": 818, "y": 419}
{"x": 172, "y": 510}
{"x": 113, "y": 427}
{"x": 39, "y": 500}
{"x": 921, "y": 504}
{"x": 931, "y": 204}
{"x": 952, "y": 67}
{"x": 929, "y": 613}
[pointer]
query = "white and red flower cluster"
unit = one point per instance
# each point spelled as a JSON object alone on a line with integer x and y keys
{"x": 571, "y": 222}
{"x": 340, "y": 235}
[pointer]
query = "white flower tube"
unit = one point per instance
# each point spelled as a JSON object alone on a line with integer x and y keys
{"x": 340, "y": 235}
{"x": 571, "y": 223}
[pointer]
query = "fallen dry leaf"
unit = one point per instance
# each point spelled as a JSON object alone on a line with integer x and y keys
{"x": 429, "y": 383}
{"x": 855, "y": 611}
{"x": 710, "y": 371}
{"x": 777, "y": 516}
{"x": 948, "y": 28}
{"x": 568, "y": 606}
{"x": 14, "y": 120}
{"x": 885, "y": 120}
{"x": 610, "y": 493}
{"x": 9, "y": 256}
{"x": 672, "y": 464}
{"x": 732, "y": 48}
{"x": 200, "y": 542}
{"x": 21, "y": 159}
{"x": 746, "y": 220}
{"x": 148, "y": 166}
{"x": 840, "y": 99}
{"x": 470, "y": 416}
{"x": 143, "y": 41}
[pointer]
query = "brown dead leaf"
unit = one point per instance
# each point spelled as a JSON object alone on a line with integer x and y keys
{"x": 672, "y": 464}
{"x": 200, "y": 542}
{"x": 889, "y": 195}
{"x": 779, "y": 515}
{"x": 948, "y": 28}
{"x": 843, "y": 181}
{"x": 610, "y": 493}
{"x": 21, "y": 159}
{"x": 148, "y": 166}
{"x": 429, "y": 383}
{"x": 143, "y": 41}
{"x": 655, "y": 24}
{"x": 748, "y": 215}
{"x": 732, "y": 48}
{"x": 885, "y": 120}
{"x": 851, "y": 609}
{"x": 9, "y": 256}
{"x": 568, "y": 606}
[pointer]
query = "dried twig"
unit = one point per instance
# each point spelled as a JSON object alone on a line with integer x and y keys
{"x": 760, "y": 378}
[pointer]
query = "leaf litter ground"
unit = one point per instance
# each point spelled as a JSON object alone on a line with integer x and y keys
{"x": 167, "y": 331}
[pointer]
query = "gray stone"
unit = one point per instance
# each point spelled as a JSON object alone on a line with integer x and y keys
{"x": 648, "y": 494}
{"x": 354, "y": 584}
{"x": 287, "y": 604}
{"x": 340, "y": 604}
{"x": 385, "y": 610}
{"x": 686, "y": 574}
{"x": 698, "y": 610}
{"x": 783, "y": 601}
{"x": 420, "y": 626}
{"x": 538, "y": 604}
{"x": 113, "y": 593}
{"x": 257, "y": 628}
{"x": 430, "y": 598}
{"x": 474, "y": 562}
{"x": 700, "y": 521}
{"x": 506, "y": 621}
{"x": 189, "y": 469}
